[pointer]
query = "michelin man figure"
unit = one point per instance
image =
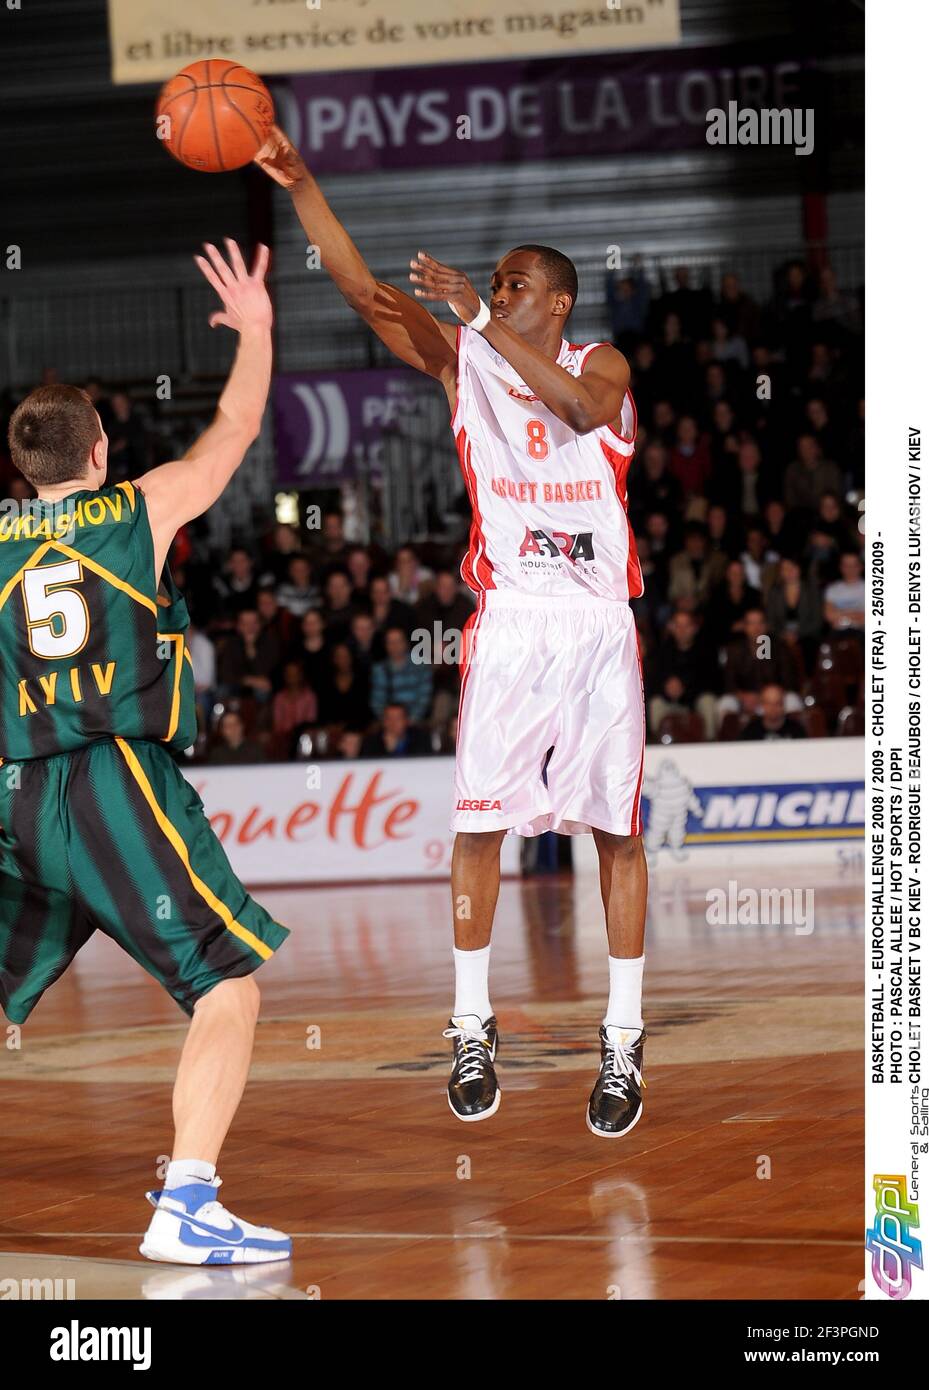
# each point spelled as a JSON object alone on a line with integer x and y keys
{"x": 670, "y": 797}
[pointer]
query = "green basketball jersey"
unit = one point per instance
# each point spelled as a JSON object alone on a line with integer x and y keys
{"x": 90, "y": 646}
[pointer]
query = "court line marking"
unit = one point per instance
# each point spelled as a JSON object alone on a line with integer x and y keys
{"x": 452, "y": 1235}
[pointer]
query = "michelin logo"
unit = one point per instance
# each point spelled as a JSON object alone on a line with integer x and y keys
{"x": 671, "y": 798}
{"x": 680, "y": 815}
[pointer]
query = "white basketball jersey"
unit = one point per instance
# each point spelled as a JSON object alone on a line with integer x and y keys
{"x": 548, "y": 504}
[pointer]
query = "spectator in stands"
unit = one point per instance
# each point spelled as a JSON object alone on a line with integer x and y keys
{"x": 349, "y": 745}
{"x": 742, "y": 487}
{"x": 400, "y": 679}
{"x": 275, "y": 619}
{"x": 248, "y": 659}
{"x": 809, "y": 476}
{"x": 724, "y": 439}
{"x": 285, "y": 543}
{"x": 338, "y": 610}
{"x": 691, "y": 306}
{"x": 295, "y": 705}
{"x": 447, "y": 605}
{"x": 128, "y": 453}
{"x": 784, "y": 534}
{"x": 738, "y": 311}
{"x": 231, "y": 746}
{"x": 652, "y": 485}
{"x": 386, "y": 610}
{"x": 759, "y": 559}
{"x": 363, "y": 642}
{"x": 298, "y": 593}
{"x": 344, "y": 697}
{"x": 332, "y": 547}
{"x": 722, "y": 533}
{"x": 833, "y": 521}
{"x": 772, "y": 721}
{"x": 661, "y": 549}
{"x": 794, "y": 610}
{"x": 237, "y": 586}
{"x": 684, "y": 677}
{"x": 696, "y": 570}
{"x": 203, "y": 661}
{"x": 726, "y": 346}
{"x": 397, "y": 737}
{"x": 690, "y": 461}
{"x": 675, "y": 366}
{"x": 628, "y": 299}
{"x": 820, "y": 426}
{"x": 834, "y": 308}
{"x": 845, "y": 598}
{"x": 728, "y": 605}
{"x": 409, "y": 580}
{"x": 754, "y": 660}
{"x": 312, "y": 650}
{"x": 358, "y": 565}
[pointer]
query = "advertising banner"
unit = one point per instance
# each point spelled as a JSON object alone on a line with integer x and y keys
{"x": 335, "y": 822}
{"x": 151, "y": 39}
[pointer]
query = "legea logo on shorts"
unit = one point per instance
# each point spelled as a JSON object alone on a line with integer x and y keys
{"x": 895, "y": 1251}
{"x": 479, "y": 806}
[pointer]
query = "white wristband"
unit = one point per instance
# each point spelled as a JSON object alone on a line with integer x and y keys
{"x": 480, "y": 320}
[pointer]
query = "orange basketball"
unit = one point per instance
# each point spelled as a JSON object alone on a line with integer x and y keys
{"x": 214, "y": 115}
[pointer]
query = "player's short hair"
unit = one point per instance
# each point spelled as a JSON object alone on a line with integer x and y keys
{"x": 560, "y": 271}
{"x": 52, "y": 433}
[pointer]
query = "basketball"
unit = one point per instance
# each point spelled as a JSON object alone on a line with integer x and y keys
{"x": 214, "y": 115}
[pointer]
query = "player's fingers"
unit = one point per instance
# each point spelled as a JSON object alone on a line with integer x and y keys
{"x": 210, "y": 274}
{"x": 235, "y": 259}
{"x": 261, "y": 262}
{"x": 431, "y": 261}
{"x": 217, "y": 262}
{"x": 216, "y": 320}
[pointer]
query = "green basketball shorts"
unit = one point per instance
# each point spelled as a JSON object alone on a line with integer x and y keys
{"x": 113, "y": 838}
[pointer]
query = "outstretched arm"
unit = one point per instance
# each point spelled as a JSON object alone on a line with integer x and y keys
{"x": 404, "y": 326}
{"x": 177, "y": 492}
{"x": 585, "y": 403}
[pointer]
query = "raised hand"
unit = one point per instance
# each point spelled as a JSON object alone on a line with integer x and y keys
{"x": 280, "y": 160}
{"x": 244, "y": 294}
{"x": 433, "y": 280}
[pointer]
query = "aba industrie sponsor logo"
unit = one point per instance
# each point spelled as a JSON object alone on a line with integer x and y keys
{"x": 891, "y": 1241}
{"x": 679, "y": 814}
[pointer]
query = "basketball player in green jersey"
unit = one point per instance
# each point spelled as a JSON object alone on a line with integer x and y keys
{"x": 98, "y": 829}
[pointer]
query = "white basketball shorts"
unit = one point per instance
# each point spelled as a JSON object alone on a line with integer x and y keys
{"x": 551, "y": 726}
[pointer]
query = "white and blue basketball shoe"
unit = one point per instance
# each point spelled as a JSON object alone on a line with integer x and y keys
{"x": 190, "y": 1227}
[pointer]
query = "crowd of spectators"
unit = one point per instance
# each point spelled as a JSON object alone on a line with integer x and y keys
{"x": 742, "y": 497}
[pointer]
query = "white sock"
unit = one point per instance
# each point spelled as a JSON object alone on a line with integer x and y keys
{"x": 624, "y": 1009}
{"x": 183, "y": 1171}
{"x": 471, "y": 990}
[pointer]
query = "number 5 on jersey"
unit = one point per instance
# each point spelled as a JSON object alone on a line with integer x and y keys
{"x": 57, "y": 619}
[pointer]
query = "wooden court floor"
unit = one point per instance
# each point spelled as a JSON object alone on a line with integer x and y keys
{"x": 744, "y": 1179}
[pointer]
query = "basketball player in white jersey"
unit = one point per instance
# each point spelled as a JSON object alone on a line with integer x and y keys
{"x": 552, "y": 721}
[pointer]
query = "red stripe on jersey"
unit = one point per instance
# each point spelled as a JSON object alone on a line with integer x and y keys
{"x": 636, "y": 826}
{"x": 476, "y": 569}
{"x": 620, "y": 466}
{"x": 469, "y": 642}
{"x": 628, "y": 439}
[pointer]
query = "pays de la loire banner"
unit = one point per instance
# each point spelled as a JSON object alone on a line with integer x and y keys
{"x": 150, "y": 40}
{"x": 602, "y": 104}
{"x": 329, "y": 427}
{"x": 335, "y": 822}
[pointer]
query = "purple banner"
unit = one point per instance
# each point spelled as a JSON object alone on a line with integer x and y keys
{"x": 330, "y": 426}
{"x": 478, "y": 113}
